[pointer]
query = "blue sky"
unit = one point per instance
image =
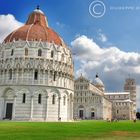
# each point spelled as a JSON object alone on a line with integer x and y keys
{"x": 122, "y": 27}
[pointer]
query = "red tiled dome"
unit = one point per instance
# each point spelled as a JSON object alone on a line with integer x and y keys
{"x": 35, "y": 29}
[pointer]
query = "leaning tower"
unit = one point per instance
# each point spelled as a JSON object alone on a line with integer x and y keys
{"x": 130, "y": 86}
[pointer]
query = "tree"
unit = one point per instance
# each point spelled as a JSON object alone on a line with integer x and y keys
{"x": 138, "y": 115}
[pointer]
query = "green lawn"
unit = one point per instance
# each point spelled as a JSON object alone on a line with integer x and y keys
{"x": 84, "y": 130}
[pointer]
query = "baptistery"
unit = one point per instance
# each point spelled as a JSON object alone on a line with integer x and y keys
{"x": 36, "y": 73}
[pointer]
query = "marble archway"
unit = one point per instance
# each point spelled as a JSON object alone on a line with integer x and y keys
{"x": 8, "y": 104}
{"x": 81, "y": 112}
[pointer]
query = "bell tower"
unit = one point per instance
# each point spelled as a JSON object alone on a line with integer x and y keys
{"x": 130, "y": 86}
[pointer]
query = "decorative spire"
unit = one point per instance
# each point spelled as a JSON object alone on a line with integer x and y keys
{"x": 37, "y": 17}
{"x": 97, "y": 75}
{"x": 38, "y": 7}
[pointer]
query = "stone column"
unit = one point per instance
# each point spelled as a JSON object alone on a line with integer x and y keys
{"x": 71, "y": 117}
{"x": 48, "y": 77}
{"x": 28, "y": 76}
{"x": 39, "y": 75}
{"x": 33, "y": 76}
{"x": 16, "y": 74}
{"x": 31, "y": 109}
{"x": 59, "y": 103}
{"x": 46, "y": 109}
{"x": 14, "y": 107}
{"x": 62, "y": 81}
{"x": 56, "y": 78}
{"x": 21, "y": 79}
{"x": 71, "y": 106}
{"x": 68, "y": 109}
{"x": 44, "y": 76}
{"x": 3, "y": 107}
{"x": 4, "y": 74}
{"x": 59, "y": 79}
{"x": 52, "y": 79}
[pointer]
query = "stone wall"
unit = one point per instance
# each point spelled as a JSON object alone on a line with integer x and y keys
{"x": 91, "y": 100}
{"x": 33, "y": 68}
{"x": 31, "y": 109}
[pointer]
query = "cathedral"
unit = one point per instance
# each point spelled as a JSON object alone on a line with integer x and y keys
{"x": 37, "y": 80}
{"x": 92, "y": 102}
{"x": 36, "y": 73}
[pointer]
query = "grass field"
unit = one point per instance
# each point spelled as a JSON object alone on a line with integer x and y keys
{"x": 84, "y": 130}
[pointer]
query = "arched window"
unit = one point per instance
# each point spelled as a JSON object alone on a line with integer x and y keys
{"x": 36, "y": 75}
{"x": 64, "y": 100}
{"x": 53, "y": 99}
{"x": 39, "y": 52}
{"x": 24, "y": 98}
{"x": 26, "y": 52}
{"x": 54, "y": 76}
{"x": 2, "y": 55}
{"x": 12, "y": 52}
{"x": 62, "y": 57}
{"x": 39, "y": 98}
{"x": 10, "y": 74}
{"x": 52, "y": 54}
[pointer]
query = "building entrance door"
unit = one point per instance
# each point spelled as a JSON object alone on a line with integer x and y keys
{"x": 81, "y": 114}
{"x": 92, "y": 114}
{"x": 9, "y": 108}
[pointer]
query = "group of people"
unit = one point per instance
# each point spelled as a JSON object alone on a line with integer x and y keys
{"x": 112, "y": 120}
{"x": 116, "y": 120}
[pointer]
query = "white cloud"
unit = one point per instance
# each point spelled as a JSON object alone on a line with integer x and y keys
{"x": 101, "y": 36}
{"x": 8, "y": 23}
{"x": 112, "y": 64}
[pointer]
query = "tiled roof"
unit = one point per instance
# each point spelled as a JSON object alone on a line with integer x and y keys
{"x": 36, "y": 29}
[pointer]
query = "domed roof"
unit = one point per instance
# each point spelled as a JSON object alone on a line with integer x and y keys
{"x": 36, "y": 29}
{"x": 98, "y": 81}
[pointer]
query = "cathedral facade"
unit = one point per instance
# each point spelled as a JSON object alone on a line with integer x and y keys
{"x": 36, "y": 73}
{"x": 89, "y": 100}
{"x": 92, "y": 102}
